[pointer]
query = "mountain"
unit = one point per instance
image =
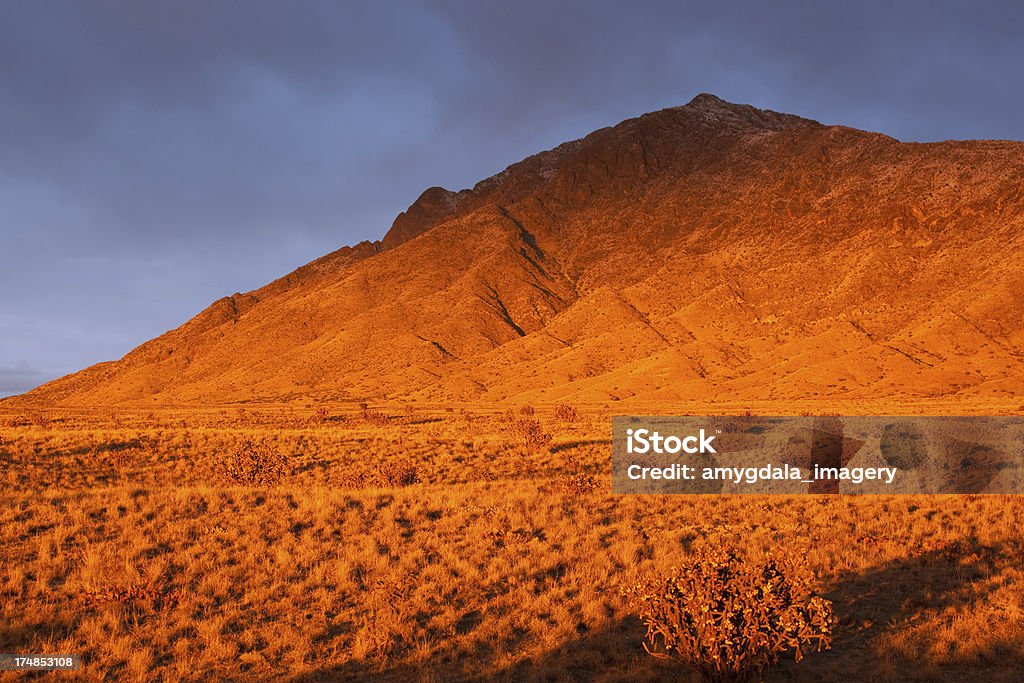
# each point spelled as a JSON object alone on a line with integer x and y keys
{"x": 711, "y": 251}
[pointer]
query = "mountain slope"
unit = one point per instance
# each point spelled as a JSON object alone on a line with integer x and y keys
{"x": 709, "y": 251}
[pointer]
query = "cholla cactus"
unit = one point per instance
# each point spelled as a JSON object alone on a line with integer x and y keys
{"x": 729, "y": 619}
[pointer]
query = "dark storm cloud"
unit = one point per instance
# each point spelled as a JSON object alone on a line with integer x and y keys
{"x": 918, "y": 71}
{"x": 155, "y": 156}
{"x": 175, "y": 119}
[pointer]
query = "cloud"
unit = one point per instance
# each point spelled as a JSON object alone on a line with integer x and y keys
{"x": 18, "y": 378}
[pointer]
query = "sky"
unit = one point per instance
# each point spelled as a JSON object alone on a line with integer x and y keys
{"x": 156, "y": 156}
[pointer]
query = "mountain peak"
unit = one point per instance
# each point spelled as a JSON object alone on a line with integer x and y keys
{"x": 722, "y": 113}
{"x": 706, "y": 100}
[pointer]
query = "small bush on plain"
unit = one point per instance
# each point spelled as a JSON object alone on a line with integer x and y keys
{"x": 375, "y": 418}
{"x": 579, "y": 484}
{"x": 729, "y": 619}
{"x": 252, "y": 464}
{"x": 395, "y": 474}
{"x": 565, "y": 412}
{"x": 530, "y": 433}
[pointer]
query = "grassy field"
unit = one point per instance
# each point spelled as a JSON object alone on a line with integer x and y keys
{"x": 417, "y": 544}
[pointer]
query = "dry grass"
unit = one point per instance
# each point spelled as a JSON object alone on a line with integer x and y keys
{"x": 121, "y": 544}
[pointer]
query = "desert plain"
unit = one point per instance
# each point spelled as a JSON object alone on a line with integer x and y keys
{"x": 427, "y": 543}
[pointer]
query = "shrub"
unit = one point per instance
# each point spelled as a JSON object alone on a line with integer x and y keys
{"x": 121, "y": 458}
{"x": 729, "y": 619}
{"x": 579, "y": 484}
{"x": 566, "y": 413}
{"x": 530, "y": 433}
{"x": 320, "y": 416}
{"x": 252, "y": 464}
{"x": 396, "y": 473}
{"x": 374, "y": 417}
{"x": 527, "y": 410}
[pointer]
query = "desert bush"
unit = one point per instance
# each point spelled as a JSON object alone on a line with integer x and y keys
{"x": 565, "y": 412}
{"x": 729, "y": 619}
{"x": 527, "y": 410}
{"x": 252, "y": 464}
{"x": 395, "y": 473}
{"x": 530, "y": 433}
{"x": 120, "y": 459}
{"x": 320, "y": 415}
{"x": 579, "y": 484}
{"x": 374, "y": 417}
